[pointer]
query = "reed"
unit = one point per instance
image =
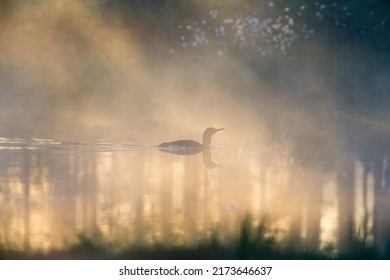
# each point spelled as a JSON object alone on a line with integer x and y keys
{"x": 252, "y": 241}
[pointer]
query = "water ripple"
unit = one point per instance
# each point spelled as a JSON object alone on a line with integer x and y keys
{"x": 67, "y": 145}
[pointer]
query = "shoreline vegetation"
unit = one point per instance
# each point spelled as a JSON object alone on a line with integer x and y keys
{"x": 250, "y": 242}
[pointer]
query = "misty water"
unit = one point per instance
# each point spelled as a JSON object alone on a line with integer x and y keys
{"x": 52, "y": 190}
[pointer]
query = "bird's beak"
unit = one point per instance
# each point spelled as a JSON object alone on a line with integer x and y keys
{"x": 220, "y": 129}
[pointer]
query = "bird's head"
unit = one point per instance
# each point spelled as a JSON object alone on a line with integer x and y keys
{"x": 211, "y": 130}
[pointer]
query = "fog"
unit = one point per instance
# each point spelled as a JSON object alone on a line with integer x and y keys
{"x": 81, "y": 70}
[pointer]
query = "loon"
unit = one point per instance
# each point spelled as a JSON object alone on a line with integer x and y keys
{"x": 189, "y": 147}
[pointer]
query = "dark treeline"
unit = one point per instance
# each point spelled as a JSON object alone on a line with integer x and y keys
{"x": 344, "y": 42}
{"x": 361, "y": 22}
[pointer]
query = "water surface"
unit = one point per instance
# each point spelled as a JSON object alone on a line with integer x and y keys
{"x": 51, "y": 191}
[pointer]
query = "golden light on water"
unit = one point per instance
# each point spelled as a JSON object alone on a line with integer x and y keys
{"x": 329, "y": 213}
{"x": 168, "y": 198}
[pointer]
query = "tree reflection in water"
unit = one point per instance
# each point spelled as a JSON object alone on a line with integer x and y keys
{"x": 49, "y": 197}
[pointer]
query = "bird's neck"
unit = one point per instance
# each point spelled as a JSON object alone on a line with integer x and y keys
{"x": 207, "y": 140}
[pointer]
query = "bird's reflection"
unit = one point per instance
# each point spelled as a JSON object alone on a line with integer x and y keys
{"x": 191, "y": 147}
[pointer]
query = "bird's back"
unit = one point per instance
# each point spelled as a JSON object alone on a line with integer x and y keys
{"x": 181, "y": 147}
{"x": 190, "y": 144}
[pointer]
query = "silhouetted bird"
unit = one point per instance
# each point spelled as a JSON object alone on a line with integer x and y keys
{"x": 189, "y": 147}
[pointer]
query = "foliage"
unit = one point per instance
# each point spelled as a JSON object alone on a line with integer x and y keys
{"x": 251, "y": 242}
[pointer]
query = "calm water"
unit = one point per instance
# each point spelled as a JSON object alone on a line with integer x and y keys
{"x": 50, "y": 191}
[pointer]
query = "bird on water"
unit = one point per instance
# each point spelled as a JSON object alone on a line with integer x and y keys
{"x": 189, "y": 147}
